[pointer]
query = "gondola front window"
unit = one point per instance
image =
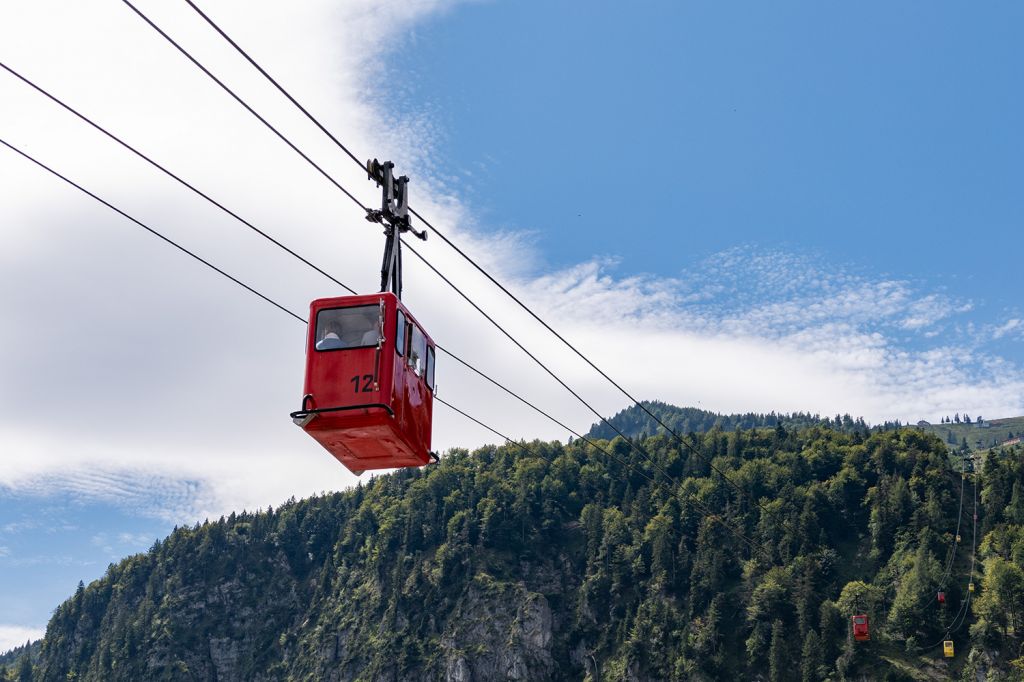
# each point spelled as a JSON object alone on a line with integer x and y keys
{"x": 341, "y": 328}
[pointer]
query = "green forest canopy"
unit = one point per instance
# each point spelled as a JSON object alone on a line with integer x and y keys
{"x": 560, "y": 562}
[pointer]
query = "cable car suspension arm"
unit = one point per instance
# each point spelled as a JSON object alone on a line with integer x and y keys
{"x": 394, "y": 216}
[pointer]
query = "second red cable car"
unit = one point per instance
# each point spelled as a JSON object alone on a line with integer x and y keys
{"x": 860, "y": 628}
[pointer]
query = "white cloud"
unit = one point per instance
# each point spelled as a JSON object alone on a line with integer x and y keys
{"x": 1011, "y": 327}
{"x": 12, "y": 636}
{"x": 134, "y": 376}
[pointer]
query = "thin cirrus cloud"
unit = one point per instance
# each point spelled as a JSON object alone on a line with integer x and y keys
{"x": 135, "y": 377}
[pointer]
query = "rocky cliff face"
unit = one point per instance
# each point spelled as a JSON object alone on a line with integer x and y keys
{"x": 499, "y": 633}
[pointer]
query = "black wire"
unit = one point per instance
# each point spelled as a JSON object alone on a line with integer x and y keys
{"x": 684, "y": 442}
{"x": 702, "y": 509}
{"x": 951, "y": 555}
{"x": 696, "y": 505}
{"x": 956, "y": 536}
{"x": 170, "y": 174}
{"x": 231, "y": 213}
{"x": 538, "y": 361}
{"x": 247, "y": 107}
{"x": 694, "y": 450}
{"x": 629, "y": 441}
{"x": 277, "y": 85}
{"x": 368, "y": 211}
{"x": 964, "y": 607}
{"x": 151, "y": 230}
{"x": 689, "y": 446}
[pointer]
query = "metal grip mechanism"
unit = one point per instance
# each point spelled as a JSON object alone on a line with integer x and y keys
{"x": 394, "y": 216}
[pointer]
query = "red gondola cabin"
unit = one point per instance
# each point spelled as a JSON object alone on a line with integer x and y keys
{"x": 942, "y": 597}
{"x": 860, "y": 628}
{"x": 368, "y": 396}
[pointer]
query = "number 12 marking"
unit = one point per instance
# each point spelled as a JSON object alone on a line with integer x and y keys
{"x": 367, "y": 383}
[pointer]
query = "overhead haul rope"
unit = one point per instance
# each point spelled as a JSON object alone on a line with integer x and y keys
{"x": 961, "y": 614}
{"x": 952, "y": 550}
{"x": 247, "y": 107}
{"x": 221, "y": 206}
{"x": 347, "y": 193}
{"x": 205, "y": 196}
{"x": 695, "y": 450}
{"x": 172, "y": 175}
{"x": 151, "y": 230}
{"x": 337, "y": 184}
{"x": 689, "y": 499}
{"x": 703, "y": 510}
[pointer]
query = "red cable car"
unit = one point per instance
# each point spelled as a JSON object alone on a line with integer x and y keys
{"x": 860, "y": 628}
{"x": 368, "y": 396}
{"x": 942, "y": 597}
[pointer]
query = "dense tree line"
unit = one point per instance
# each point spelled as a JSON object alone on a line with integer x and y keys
{"x": 552, "y": 561}
{"x": 636, "y": 422}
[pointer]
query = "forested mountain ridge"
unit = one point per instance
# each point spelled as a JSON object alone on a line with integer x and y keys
{"x": 551, "y": 561}
{"x": 635, "y": 422}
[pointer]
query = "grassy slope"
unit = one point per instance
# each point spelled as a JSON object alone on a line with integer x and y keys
{"x": 979, "y": 439}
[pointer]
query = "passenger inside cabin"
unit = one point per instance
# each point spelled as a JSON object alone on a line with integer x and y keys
{"x": 331, "y": 340}
{"x": 356, "y": 327}
{"x": 361, "y": 329}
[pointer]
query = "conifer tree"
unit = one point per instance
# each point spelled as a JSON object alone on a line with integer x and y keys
{"x": 778, "y": 663}
{"x": 810, "y": 661}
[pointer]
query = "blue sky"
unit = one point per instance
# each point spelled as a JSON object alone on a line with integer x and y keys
{"x": 745, "y": 207}
{"x": 50, "y": 542}
{"x": 881, "y": 137}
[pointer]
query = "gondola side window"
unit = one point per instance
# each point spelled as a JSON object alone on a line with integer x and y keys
{"x": 430, "y": 367}
{"x": 400, "y": 333}
{"x": 342, "y": 328}
{"x": 418, "y": 351}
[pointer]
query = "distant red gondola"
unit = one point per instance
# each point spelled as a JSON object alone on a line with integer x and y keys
{"x": 942, "y": 597}
{"x": 860, "y": 628}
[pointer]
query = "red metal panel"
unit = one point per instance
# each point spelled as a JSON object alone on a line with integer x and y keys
{"x": 861, "y": 631}
{"x": 393, "y": 430}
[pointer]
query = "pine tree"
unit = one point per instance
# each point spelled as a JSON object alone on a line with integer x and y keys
{"x": 810, "y": 662}
{"x": 777, "y": 656}
{"x": 24, "y": 671}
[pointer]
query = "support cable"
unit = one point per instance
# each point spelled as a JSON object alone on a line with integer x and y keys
{"x": 689, "y": 446}
{"x": 961, "y": 614}
{"x": 369, "y": 212}
{"x": 684, "y": 442}
{"x": 539, "y": 362}
{"x": 151, "y": 230}
{"x": 952, "y": 551}
{"x": 701, "y": 508}
{"x": 226, "y": 210}
{"x": 170, "y": 174}
{"x": 674, "y": 491}
{"x": 277, "y": 85}
{"x": 956, "y": 536}
{"x": 247, "y": 107}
